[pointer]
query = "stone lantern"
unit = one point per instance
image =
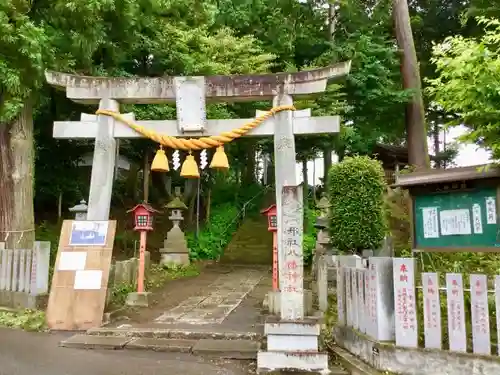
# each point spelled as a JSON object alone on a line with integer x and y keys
{"x": 175, "y": 250}
{"x": 80, "y": 210}
{"x": 323, "y": 239}
{"x": 324, "y": 263}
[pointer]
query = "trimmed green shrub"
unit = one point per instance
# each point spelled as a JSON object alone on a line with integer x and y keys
{"x": 356, "y": 192}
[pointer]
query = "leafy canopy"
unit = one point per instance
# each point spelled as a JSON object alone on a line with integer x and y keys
{"x": 468, "y": 84}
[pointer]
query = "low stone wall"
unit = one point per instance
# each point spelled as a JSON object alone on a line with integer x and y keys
{"x": 125, "y": 271}
{"x": 22, "y": 300}
{"x": 387, "y": 357}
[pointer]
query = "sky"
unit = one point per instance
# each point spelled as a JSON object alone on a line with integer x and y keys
{"x": 468, "y": 155}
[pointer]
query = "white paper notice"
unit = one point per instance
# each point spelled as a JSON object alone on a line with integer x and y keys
{"x": 430, "y": 218}
{"x": 476, "y": 219}
{"x": 90, "y": 280}
{"x": 72, "y": 261}
{"x": 455, "y": 222}
{"x": 491, "y": 211}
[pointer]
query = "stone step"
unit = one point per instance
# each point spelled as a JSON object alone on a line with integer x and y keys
{"x": 250, "y": 246}
{"x": 95, "y": 342}
{"x": 300, "y": 362}
{"x": 161, "y": 345}
{"x": 255, "y": 231}
{"x": 197, "y": 333}
{"x": 227, "y": 349}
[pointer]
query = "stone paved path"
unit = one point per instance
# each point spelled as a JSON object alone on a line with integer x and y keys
{"x": 217, "y": 302}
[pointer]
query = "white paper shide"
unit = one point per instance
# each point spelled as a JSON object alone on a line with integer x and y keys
{"x": 455, "y": 222}
{"x": 430, "y": 221}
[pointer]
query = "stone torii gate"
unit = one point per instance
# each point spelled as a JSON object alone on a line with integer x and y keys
{"x": 190, "y": 95}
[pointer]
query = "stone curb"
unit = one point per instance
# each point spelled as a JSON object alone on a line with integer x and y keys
{"x": 80, "y": 341}
{"x": 353, "y": 365}
{"x": 237, "y": 349}
{"x": 161, "y": 345}
{"x": 159, "y": 333}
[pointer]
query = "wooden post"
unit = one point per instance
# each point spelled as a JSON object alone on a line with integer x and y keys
{"x": 142, "y": 250}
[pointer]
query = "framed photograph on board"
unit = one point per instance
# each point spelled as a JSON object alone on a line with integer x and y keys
{"x": 88, "y": 233}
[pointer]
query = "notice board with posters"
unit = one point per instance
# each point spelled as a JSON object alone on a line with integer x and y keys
{"x": 457, "y": 220}
{"x": 80, "y": 281}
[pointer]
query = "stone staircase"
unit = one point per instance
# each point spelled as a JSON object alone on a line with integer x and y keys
{"x": 251, "y": 244}
{"x": 197, "y": 341}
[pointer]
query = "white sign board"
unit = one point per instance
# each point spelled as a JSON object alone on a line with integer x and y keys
{"x": 455, "y": 222}
{"x": 430, "y": 219}
{"x": 88, "y": 280}
{"x": 480, "y": 315}
{"x": 491, "y": 210}
{"x": 477, "y": 222}
{"x": 405, "y": 302}
{"x": 432, "y": 311}
{"x": 456, "y": 312}
{"x": 72, "y": 261}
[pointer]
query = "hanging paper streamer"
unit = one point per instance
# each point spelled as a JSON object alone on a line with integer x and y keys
{"x": 203, "y": 159}
{"x": 176, "y": 159}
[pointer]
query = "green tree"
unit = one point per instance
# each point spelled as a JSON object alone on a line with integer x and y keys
{"x": 111, "y": 37}
{"x": 467, "y": 86}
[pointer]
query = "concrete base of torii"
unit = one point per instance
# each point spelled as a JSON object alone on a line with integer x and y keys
{"x": 293, "y": 337}
{"x": 292, "y": 345}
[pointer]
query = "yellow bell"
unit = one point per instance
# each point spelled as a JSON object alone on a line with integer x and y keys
{"x": 219, "y": 160}
{"x": 190, "y": 168}
{"x": 160, "y": 161}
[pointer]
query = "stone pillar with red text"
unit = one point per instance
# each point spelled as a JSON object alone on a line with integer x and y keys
{"x": 292, "y": 338}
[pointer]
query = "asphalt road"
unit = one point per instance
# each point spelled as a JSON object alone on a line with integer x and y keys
{"x": 23, "y": 353}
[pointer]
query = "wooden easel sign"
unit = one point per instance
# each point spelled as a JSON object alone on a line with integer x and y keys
{"x": 80, "y": 282}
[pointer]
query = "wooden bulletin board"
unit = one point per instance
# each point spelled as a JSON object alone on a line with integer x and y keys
{"x": 463, "y": 220}
{"x": 80, "y": 281}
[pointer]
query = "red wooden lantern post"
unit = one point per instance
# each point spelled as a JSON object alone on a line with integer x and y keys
{"x": 143, "y": 219}
{"x": 272, "y": 226}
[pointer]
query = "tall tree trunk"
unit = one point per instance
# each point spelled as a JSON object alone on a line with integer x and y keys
{"x": 332, "y": 18}
{"x": 59, "y": 205}
{"x": 145, "y": 178}
{"x": 305, "y": 187}
{"x": 17, "y": 156}
{"x": 270, "y": 171}
{"x": 435, "y": 135}
{"x": 327, "y": 164}
{"x": 418, "y": 155}
{"x": 328, "y": 150}
{"x": 248, "y": 177}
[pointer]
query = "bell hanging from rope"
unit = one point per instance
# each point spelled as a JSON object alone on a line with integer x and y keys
{"x": 160, "y": 161}
{"x": 219, "y": 161}
{"x": 190, "y": 168}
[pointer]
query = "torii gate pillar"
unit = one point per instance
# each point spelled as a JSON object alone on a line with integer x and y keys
{"x": 293, "y": 334}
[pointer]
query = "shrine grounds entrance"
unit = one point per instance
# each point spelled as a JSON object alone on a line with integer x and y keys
{"x": 218, "y": 304}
